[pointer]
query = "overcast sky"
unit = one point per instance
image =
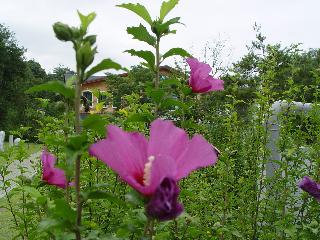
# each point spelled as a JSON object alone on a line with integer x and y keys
{"x": 285, "y": 21}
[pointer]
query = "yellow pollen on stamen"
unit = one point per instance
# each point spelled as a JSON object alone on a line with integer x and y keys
{"x": 147, "y": 171}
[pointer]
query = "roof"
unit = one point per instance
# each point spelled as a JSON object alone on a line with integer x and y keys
{"x": 94, "y": 79}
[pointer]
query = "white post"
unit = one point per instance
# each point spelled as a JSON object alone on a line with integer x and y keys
{"x": 273, "y": 128}
{"x": 16, "y": 141}
{"x": 2, "y": 136}
{"x": 10, "y": 140}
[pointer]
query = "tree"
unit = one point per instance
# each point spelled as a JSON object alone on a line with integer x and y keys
{"x": 13, "y": 70}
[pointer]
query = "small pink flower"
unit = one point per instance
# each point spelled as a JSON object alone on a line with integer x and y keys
{"x": 50, "y": 174}
{"x": 200, "y": 81}
{"x": 154, "y": 166}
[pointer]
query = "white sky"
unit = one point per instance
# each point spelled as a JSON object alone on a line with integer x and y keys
{"x": 285, "y": 21}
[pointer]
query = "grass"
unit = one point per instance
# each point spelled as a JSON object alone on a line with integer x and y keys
{"x": 6, "y": 221}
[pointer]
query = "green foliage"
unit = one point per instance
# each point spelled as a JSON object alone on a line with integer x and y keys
{"x": 166, "y": 7}
{"x": 233, "y": 200}
{"x": 103, "y": 65}
{"x": 176, "y": 51}
{"x": 53, "y": 86}
{"x": 138, "y": 9}
{"x": 146, "y": 55}
{"x": 141, "y": 33}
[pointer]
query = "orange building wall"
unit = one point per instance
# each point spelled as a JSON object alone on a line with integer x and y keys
{"x": 101, "y": 86}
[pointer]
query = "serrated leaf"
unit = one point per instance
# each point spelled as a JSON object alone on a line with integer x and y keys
{"x": 86, "y": 20}
{"x": 146, "y": 55}
{"x": 166, "y": 7}
{"x": 138, "y": 9}
{"x": 142, "y": 34}
{"x": 53, "y": 86}
{"x": 176, "y": 51}
{"x": 103, "y": 65}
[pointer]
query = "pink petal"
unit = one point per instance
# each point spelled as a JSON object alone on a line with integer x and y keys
{"x": 50, "y": 174}
{"x": 161, "y": 167}
{"x": 200, "y": 80}
{"x": 166, "y": 139}
{"x": 125, "y": 153}
{"x": 198, "y": 154}
{"x": 216, "y": 84}
{"x": 58, "y": 178}
{"x": 48, "y": 162}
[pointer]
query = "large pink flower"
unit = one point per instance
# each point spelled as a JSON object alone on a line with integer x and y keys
{"x": 155, "y": 165}
{"x": 50, "y": 174}
{"x": 200, "y": 81}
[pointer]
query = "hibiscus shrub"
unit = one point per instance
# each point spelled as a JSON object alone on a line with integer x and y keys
{"x": 131, "y": 174}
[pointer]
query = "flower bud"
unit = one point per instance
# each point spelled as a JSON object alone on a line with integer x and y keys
{"x": 63, "y": 31}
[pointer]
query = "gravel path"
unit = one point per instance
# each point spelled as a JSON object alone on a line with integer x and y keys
{"x": 14, "y": 168}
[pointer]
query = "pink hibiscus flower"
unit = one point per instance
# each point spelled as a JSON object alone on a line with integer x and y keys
{"x": 153, "y": 167}
{"x": 200, "y": 81}
{"x": 50, "y": 174}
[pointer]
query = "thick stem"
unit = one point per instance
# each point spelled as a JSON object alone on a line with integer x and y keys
{"x": 157, "y": 80}
{"x": 77, "y": 170}
{"x": 149, "y": 229}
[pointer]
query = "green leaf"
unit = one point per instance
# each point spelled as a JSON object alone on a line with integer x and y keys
{"x": 176, "y": 51}
{"x": 146, "y": 55}
{"x": 166, "y": 7}
{"x": 140, "y": 117}
{"x": 53, "y": 86}
{"x": 138, "y": 9}
{"x": 103, "y": 65}
{"x": 142, "y": 34}
{"x": 96, "y": 123}
{"x": 163, "y": 28}
{"x": 134, "y": 198}
{"x": 86, "y": 20}
{"x": 33, "y": 192}
{"x": 63, "y": 210}
{"x": 172, "y": 82}
{"x": 170, "y": 102}
{"x": 155, "y": 94}
{"x": 98, "y": 194}
{"x": 186, "y": 90}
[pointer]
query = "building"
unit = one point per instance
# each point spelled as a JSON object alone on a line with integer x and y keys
{"x": 94, "y": 89}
